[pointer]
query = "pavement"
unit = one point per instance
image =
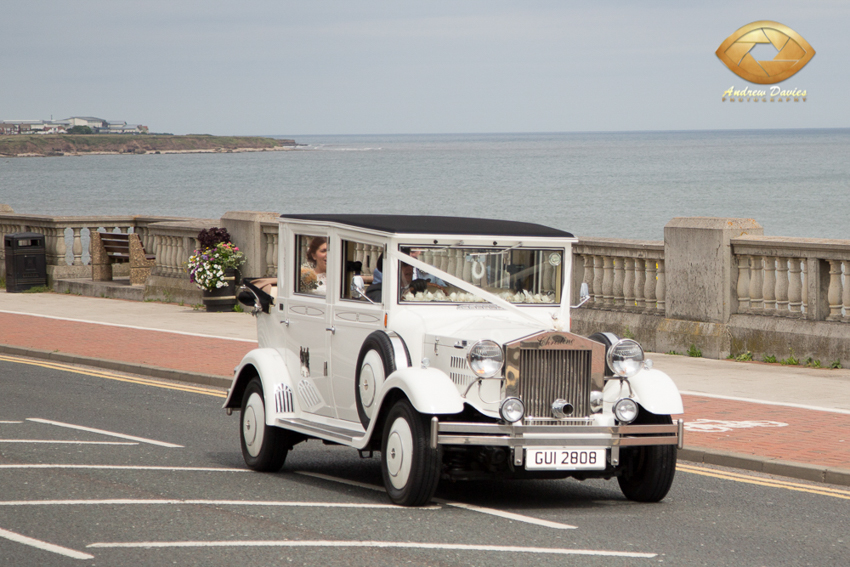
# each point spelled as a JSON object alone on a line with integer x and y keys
{"x": 780, "y": 420}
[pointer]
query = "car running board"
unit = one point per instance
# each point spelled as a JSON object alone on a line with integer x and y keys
{"x": 340, "y": 435}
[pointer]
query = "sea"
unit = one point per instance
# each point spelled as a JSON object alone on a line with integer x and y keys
{"x": 795, "y": 183}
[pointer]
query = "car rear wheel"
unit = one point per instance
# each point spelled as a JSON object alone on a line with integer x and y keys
{"x": 264, "y": 447}
{"x": 647, "y": 472}
{"x": 410, "y": 467}
{"x": 375, "y": 362}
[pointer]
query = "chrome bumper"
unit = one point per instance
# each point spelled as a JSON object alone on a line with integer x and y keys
{"x": 521, "y": 436}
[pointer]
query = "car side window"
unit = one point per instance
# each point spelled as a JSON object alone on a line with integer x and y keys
{"x": 359, "y": 259}
{"x": 311, "y": 254}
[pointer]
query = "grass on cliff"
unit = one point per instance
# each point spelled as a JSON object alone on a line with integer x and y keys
{"x": 81, "y": 143}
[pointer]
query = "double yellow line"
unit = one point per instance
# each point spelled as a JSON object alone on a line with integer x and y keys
{"x": 769, "y": 482}
{"x": 686, "y": 468}
{"x": 117, "y": 377}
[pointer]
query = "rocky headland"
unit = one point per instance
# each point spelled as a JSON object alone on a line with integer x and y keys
{"x": 37, "y": 145}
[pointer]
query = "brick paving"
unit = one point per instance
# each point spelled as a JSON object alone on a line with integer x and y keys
{"x": 154, "y": 348}
{"x": 809, "y": 436}
{"x": 767, "y": 432}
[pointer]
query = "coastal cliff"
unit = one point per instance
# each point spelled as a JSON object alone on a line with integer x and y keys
{"x": 81, "y": 144}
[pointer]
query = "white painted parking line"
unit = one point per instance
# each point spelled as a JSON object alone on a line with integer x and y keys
{"x": 470, "y": 507}
{"x": 102, "y": 432}
{"x": 43, "y": 545}
{"x": 127, "y": 502}
{"x": 376, "y": 544}
{"x": 122, "y": 468}
{"x": 61, "y": 442}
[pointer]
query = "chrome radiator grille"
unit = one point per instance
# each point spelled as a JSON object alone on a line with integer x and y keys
{"x": 548, "y": 375}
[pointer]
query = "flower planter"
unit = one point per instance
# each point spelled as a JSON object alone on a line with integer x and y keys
{"x": 223, "y": 298}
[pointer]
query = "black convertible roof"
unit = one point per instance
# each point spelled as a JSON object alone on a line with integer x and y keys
{"x": 419, "y": 224}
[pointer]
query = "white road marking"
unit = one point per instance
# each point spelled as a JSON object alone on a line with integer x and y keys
{"x": 130, "y": 327}
{"x": 376, "y": 544}
{"x": 67, "y": 442}
{"x": 127, "y": 502}
{"x": 764, "y": 402}
{"x": 10, "y": 422}
{"x": 102, "y": 432}
{"x": 470, "y": 507}
{"x": 43, "y": 545}
{"x": 122, "y": 468}
{"x": 718, "y": 425}
{"x": 507, "y": 515}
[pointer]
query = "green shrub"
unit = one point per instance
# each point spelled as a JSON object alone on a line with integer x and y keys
{"x": 671, "y": 352}
{"x": 836, "y": 364}
{"x": 790, "y": 361}
{"x": 768, "y": 358}
{"x": 628, "y": 334}
{"x": 38, "y": 289}
{"x": 812, "y": 363}
{"x": 744, "y": 357}
{"x": 694, "y": 352}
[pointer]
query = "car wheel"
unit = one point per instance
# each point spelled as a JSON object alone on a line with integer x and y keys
{"x": 410, "y": 467}
{"x": 375, "y": 362}
{"x": 647, "y": 472}
{"x": 264, "y": 448}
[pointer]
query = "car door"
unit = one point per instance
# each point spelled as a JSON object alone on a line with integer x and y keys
{"x": 354, "y": 318}
{"x": 308, "y": 320}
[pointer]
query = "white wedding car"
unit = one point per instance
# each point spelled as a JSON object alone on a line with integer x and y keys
{"x": 444, "y": 344}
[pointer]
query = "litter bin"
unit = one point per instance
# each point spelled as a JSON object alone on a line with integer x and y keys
{"x": 26, "y": 265}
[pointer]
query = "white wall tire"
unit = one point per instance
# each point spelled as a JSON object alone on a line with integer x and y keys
{"x": 264, "y": 447}
{"x": 409, "y": 466}
{"x": 375, "y": 362}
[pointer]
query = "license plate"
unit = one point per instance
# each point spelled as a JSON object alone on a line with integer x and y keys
{"x": 565, "y": 459}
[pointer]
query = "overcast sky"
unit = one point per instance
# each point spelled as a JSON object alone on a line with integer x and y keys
{"x": 379, "y": 67}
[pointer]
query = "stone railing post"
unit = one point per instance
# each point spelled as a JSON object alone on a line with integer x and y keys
{"x": 846, "y": 295}
{"x": 769, "y": 289}
{"x": 782, "y": 287}
{"x": 756, "y": 285}
{"x": 834, "y": 292}
{"x": 596, "y": 288}
{"x": 640, "y": 279}
{"x": 698, "y": 258}
{"x": 817, "y": 289}
{"x": 661, "y": 290}
{"x": 743, "y": 287}
{"x": 795, "y": 288}
{"x": 246, "y": 231}
{"x": 619, "y": 284}
{"x": 629, "y": 284}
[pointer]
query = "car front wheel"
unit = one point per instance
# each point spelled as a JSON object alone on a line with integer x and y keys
{"x": 647, "y": 472}
{"x": 410, "y": 467}
{"x": 264, "y": 448}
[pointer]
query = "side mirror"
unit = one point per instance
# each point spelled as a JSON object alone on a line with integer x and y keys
{"x": 584, "y": 296}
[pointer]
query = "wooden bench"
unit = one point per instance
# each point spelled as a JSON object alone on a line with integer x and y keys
{"x": 109, "y": 248}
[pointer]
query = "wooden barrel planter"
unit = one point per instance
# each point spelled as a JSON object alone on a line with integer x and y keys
{"x": 223, "y": 298}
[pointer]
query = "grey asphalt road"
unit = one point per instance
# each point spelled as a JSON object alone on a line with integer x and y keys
{"x": 158, "y": 479}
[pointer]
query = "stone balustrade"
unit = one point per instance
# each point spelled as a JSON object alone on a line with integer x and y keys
{"x": 717, "y": 284}
{"x": 802, "y": 278}
{"x": 621, "y": 275}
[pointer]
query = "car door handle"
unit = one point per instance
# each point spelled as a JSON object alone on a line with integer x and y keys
{"x": 331, "y": 329}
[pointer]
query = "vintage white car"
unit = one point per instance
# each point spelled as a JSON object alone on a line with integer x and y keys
{"x": 444, "y": 344}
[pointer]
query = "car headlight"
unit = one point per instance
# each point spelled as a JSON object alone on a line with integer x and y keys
{"x": 485, "y": 359}
{"x": 626, "y": 410}
{"x": 625, "y": 358}
{"x": 512, "y": 410}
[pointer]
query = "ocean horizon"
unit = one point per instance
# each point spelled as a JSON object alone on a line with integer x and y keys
{"x": 604, "y": 184}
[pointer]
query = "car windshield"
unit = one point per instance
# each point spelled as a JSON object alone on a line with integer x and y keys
{"x": 516, "y": 275}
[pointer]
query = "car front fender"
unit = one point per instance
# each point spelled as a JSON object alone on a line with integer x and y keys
{"x": 430, "y": 390}
{"x": 652, "y": 389}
